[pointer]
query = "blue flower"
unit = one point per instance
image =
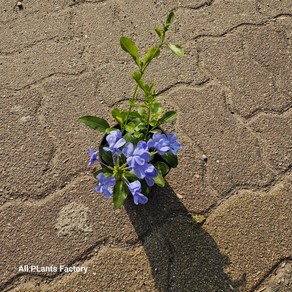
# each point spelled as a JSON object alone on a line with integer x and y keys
{"x": 135, "y": 188}
{"x": 160, "y": 143}
{"x": 174, "y": 145}
{"x": 105, "y": 184}
{"x": 137, "y": 157}
{"x": 94, "y": 156}
{"x": 150, "y": 173}
{"x": 163, "y": 143}
{"x": 115, "y": 141}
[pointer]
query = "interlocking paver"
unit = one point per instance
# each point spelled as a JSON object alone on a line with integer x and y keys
{"x": 26, "y": 149}
{"x": 275, "y": 132}
{"x": 61, "y": 59}
{"x": 32, "y": 230}
{"x": 234, "y": 157}
{"x": 42, "y": 60}
{"x": 253, "y": 229}
{"x": 24, "y": 32}
{"x": 252, "y": 85}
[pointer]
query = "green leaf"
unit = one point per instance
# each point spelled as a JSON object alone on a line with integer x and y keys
{"x": 159, "y": 180}
{"x": 95, "y": 123}
{"x": 130, "y": 47}
{"x": 156, "y": 108}
{"x": 170, "y": 18}
{"x": 106, "y": 156}
{"x": 151, "y": 54}
{"x": 176, "y": 49}
{"x": 159, "y": 33}
{"x": 170, "y": 159}
{"x": 162, "y": 167}
{"x": 130, "y": 175}
{"x": 120, "y": 193}
{"x": 130, "y": 127}
{"x": 105, "y": 171}
{"x": 167, "y": 117}
{"x": 138, "y": 78}
{"x": 145, "y": 188}
{"x": 117, "y": 115}
{"x": 108, "y": 130}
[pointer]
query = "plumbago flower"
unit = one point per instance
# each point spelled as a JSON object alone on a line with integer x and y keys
{"x": 115, "y": 141}
{"x": 105, "y": 184}
{"x": 136, "y": 153}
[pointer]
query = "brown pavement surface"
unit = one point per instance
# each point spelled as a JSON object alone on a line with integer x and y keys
{"x": 232, "y": 91}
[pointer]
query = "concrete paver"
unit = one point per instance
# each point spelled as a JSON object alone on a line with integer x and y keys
{"x": 60, "y": 60}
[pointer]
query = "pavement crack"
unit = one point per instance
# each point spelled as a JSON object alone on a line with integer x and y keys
{"x": 231, "y": 29}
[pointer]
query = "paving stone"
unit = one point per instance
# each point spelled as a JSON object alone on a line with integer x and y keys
{"x": 271, "y": 7}
{"x": 24, "y": 32}
{"x": 184, "y": 256}
{"x": 40, "y": 61}
{"x": 65, "y": 100}
{"x": 280, "y": 280}
{"x": 252, "y": 86}
{"x": 9, "y": 10}
{"x": 195, "y": 192}
{"x": 274, "y": 55}
{"x": 101, "y": 32}
{"x": 26, "y": 149}
{"x": 217, "y": 18}
{"x": 111, "y": 269}
{"x": 234, "y": 157}
{"x": 276, "y": 133}
{"x": 41, "y": 221}
{"x": 253, "y": 229}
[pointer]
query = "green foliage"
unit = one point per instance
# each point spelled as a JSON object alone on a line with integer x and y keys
{"x": 120, "y": 193}
{"x": 171, "y": 159}
{"x": 95, "y": 123}
{"x": 130, "y": 47}
{"x": 176, "y": 49}
{"x": 142, "y": 118}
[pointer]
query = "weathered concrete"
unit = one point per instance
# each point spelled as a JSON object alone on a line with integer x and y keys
{"x": 60, "y": 60}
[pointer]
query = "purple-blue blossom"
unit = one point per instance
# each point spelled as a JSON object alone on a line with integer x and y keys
{"x": 93, "y": 157}
{"x": 138, "y": 156}
{"x": 159, "y": 142}
{"x": 115, "y": 141}
{"x": 105, "y": 185}
{"x": 164, "y": 143}
{"x": 135, "y": 189}
{"x": 174, "y": 145}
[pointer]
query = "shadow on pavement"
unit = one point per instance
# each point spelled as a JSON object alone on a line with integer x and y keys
{"x": 183, "y": 256}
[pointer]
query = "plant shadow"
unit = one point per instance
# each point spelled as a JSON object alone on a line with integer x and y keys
{"x": 182, "y": 255}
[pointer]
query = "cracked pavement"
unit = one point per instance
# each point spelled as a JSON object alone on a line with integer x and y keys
{"x": 232, "y": 91}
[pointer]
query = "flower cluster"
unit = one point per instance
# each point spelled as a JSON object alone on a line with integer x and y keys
{"x": 137, "y": 162}
{"x": 136, "y": 153}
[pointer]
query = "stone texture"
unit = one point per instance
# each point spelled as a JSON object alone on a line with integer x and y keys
{"x": 271, "y": 7}
{"x": 29, "y": 66}
{"x": 35, "y": 28}
{"x": 41, "y": 222}
{"x": 111, "y": 269}
{"x": 234, "y": 157}
{"x": 275, "y": 132}
{"x": 253, "y": 86}
{"x": 275, "y": 55}
{"x": 60, "y": 60}
{"x": 279, "y": 280}
{"x": 26, "y": 149}
{"x": 9, "y": 10}
{"x": 253, "y": 229}
{"x": 217, "y": 19}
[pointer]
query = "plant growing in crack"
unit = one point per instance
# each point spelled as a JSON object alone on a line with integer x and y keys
{"x": 136, "y": 153}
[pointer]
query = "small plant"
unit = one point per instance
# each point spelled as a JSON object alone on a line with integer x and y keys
{"x": 136, "y": 153}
